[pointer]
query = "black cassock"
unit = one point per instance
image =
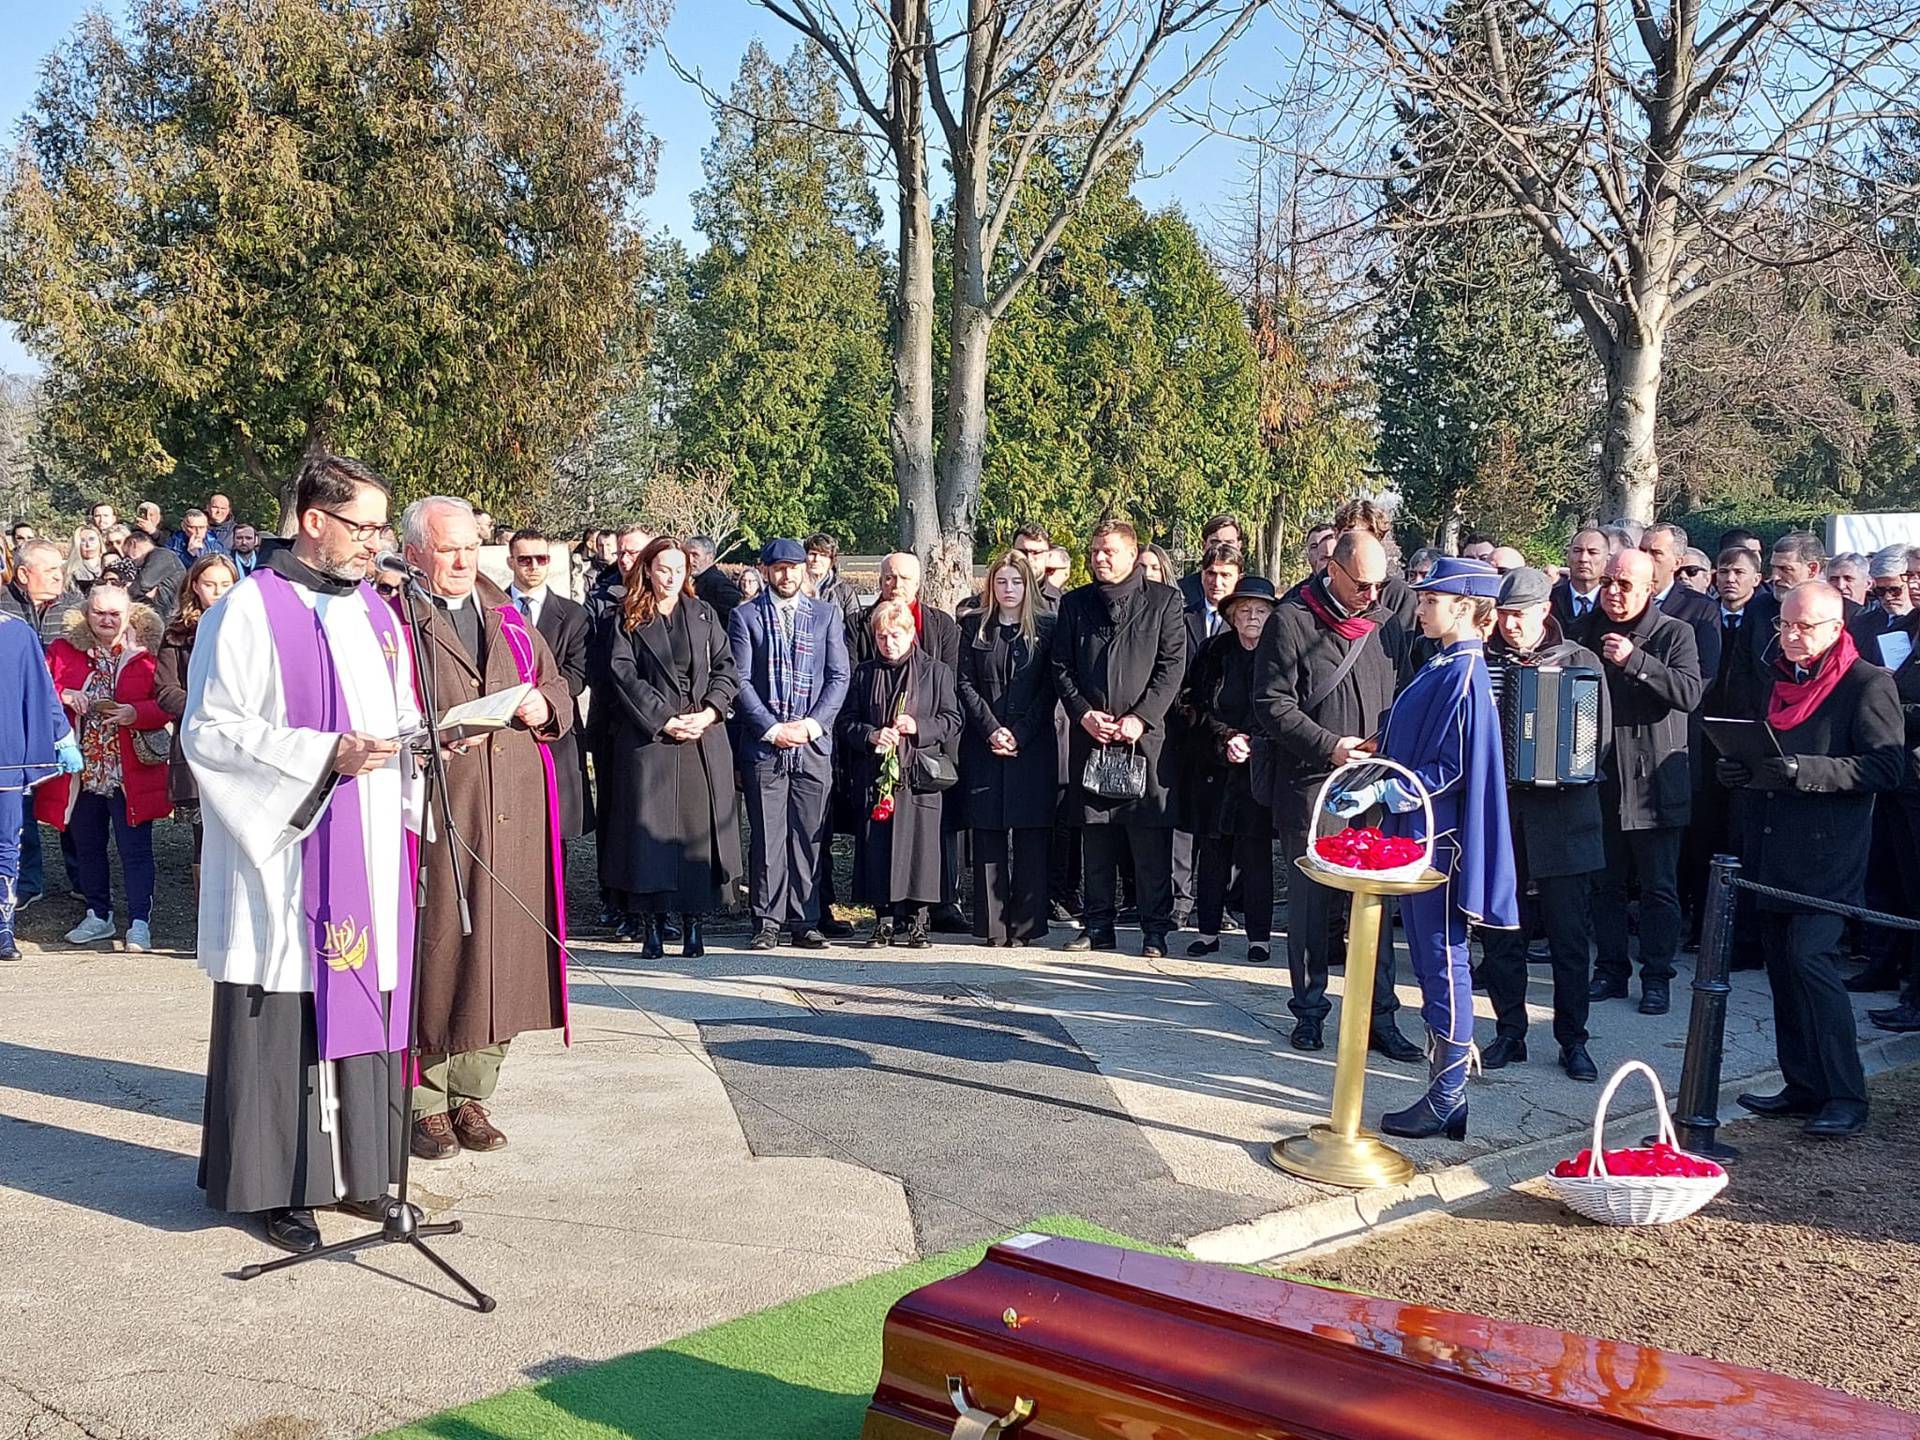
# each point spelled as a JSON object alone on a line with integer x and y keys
{"x": 897, "y": 861}
{"x": 677, "y": 838}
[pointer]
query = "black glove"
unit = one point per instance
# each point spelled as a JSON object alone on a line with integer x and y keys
{"x": 1776, "y": 772}
{"x": 1733, "y": 774}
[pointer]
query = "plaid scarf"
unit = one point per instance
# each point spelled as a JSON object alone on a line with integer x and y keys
{"x": 789, "y": 664}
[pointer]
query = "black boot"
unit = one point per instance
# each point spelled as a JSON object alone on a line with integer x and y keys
{"x": 1504, "y": 1051}
{"x": 1422, "y": 1120}
{"x": 653, "y": 947}
{"x": 695, "y": 944}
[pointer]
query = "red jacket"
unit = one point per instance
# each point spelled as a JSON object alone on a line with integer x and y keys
{"x": 145, "y": 786}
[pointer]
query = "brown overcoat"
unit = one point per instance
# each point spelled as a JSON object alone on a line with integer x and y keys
{"x": 481, "y": 989}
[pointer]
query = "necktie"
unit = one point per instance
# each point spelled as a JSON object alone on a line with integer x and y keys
{"x": 526, "y": 608}
{"x": 1580, "y": 608}
{"x": 1213, "y": 623}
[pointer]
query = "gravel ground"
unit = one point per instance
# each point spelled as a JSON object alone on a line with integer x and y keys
{"x": 1805, "y": 1264}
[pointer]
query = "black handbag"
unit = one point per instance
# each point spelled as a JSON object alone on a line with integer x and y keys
{"x": 1115, "y": 772}
{"x": 930, "y": 772}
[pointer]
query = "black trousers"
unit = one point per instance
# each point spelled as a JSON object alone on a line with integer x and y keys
{"x": 1563, "y": 910}
{"x": 1652, "y": 856}
{"x": 1151, "y": 847}
{"x": 1812, "y": 1013}
{"x": 1215, "y": 859}
{"x": 1186, "y": 850}
{"x": 1063, "y": 867}
{"x": 1316, "y": 930}
{"x": 1010, "y": 883}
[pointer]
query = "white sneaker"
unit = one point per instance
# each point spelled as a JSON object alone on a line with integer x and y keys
{"x": 139, "y": 937}
{"x": 92, "y": 928}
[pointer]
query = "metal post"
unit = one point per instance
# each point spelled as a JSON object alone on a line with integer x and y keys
{"x": 1697, "y": 1114}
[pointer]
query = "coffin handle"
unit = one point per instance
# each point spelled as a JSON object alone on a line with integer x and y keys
{"x": 976, "y": 1424}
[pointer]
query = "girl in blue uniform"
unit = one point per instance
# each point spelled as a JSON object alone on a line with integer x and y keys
{"x": 1443, "y": 727}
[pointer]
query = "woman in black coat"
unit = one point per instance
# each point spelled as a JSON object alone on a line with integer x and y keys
{"x": 674, "y": 840}
{"x": 1009, "y": 753}
{"x": 900, "y": 702}
{"x": 1227, "y": 813}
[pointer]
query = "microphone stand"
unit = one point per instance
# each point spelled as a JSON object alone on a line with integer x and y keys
{"x": 402, "y": 1225}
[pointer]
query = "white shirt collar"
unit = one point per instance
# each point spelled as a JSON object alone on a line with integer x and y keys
{"x": 516, "y": 594}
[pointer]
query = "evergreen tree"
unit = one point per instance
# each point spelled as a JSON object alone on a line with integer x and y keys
{"x": 780, "y": 369}
{"x": 1484, "y": 410}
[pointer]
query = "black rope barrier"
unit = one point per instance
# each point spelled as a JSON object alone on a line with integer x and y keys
{"x": 1832, "y": 907}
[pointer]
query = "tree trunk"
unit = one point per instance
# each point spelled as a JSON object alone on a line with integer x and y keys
{"x": 1273, "y": 539}
{"x": 1629, "y": 461}
{"x": 963, "y": 444}
{"x": 910, "y": 427}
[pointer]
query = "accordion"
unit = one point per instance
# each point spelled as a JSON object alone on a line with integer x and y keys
{"x": 1549, "y": 723}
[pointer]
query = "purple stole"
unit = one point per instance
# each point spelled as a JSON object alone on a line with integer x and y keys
{"x": 513, "y": 628}
{"x": 336, "y": 895}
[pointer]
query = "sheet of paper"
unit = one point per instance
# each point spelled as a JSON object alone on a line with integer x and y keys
{"x": 476, "y": 717}
{"x": 1895, "y": 646}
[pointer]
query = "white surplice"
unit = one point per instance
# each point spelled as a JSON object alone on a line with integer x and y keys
{"x": 255, "y": 773}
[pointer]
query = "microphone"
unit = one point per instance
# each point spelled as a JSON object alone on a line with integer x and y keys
{"x": 393, "y": 563}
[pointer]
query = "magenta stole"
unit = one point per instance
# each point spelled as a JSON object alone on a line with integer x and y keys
{"x": 513, "y": 627}
{"x": 336, "y": 895}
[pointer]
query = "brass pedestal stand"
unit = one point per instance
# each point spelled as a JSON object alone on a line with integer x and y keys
{"x": 1341, "y": 1153}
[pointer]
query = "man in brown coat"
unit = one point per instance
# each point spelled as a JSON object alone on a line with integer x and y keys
{"x": 477, "y": 992}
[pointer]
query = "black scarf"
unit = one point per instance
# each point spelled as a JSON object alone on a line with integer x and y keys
{"x": 1121, "y": 594}
{"x": 887, "y": 683}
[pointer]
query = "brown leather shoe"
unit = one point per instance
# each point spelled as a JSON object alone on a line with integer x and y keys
{"x": 433, "y": 1138}
{"x": 473, "y": 1130}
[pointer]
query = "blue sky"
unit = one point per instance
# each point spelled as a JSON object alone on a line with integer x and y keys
{"x": 1201, "y": 173}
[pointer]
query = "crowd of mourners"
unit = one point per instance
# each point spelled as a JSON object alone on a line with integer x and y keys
{"x": 1139, "y": 748}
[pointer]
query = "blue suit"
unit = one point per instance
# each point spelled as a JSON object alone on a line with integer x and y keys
{"x": 31, "y": 723}
{"x": 1444, "y": 728}
{"x": 787, "y": 790}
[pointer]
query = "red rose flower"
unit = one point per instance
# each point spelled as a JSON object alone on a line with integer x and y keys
{"x": 883, "y": 808}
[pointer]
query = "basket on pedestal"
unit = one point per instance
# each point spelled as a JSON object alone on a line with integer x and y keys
{"x": 1364, "y": 851}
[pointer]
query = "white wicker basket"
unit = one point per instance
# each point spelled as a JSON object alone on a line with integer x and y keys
{"x": 1633, "y": 1199}
{"x": 1321, "y": 815}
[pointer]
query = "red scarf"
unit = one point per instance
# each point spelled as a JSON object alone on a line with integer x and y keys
{"x": 1794, "y": 701}
{"x": 918, "y": 628}
{"x": 1352, "y": 627}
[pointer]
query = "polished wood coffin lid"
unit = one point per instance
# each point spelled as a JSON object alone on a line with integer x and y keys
{"x": 1125, "y": 1346}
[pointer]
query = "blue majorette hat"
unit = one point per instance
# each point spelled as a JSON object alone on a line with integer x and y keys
{"x": 1455, "y": 575}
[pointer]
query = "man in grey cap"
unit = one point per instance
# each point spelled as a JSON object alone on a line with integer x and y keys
{"x": 791, "y": 652}
{"x": 1557, "y": 846}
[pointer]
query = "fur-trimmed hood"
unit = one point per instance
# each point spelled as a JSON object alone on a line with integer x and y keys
{"x": 143, "y": 620}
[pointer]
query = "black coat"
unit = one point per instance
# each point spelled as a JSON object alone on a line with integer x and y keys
{"x": 1556, "y": 829}
{"x": 1127, "y": 658}
{"x": 1216, "y": 703}
{"x": 678, "y": 830}
{"x": 1906, "y": 681}
{"x": 1815, "y": 837}
{"x": 1649, "y": 786}
{"x": 1702, "y": 615}
{"x": 1739, "y": 688}
{"x": 1296, "y": 658}
{"x": 939, "y": 636}
{"x": 1560, "y": 601}
{"x": 563, "y": 625}
{"x": 898, "y": 859}
{"x": 721, "y": 594}
{"x": 1016, "y": 792}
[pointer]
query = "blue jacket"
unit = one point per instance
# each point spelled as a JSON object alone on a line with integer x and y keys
{"x": 213, "y": 545}
{"x": 748, "y": 634}
{"x": 32, "y": 721}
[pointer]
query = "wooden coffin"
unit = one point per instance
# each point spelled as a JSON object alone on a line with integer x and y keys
{"x": 1094, "y": 1343}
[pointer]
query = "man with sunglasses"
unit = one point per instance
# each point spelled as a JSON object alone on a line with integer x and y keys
{"x": 1324, "y": 673}
{"x": 1654, "y": 682}
{"x": 1837, "y": 720}
{"x": 563, "y": 624}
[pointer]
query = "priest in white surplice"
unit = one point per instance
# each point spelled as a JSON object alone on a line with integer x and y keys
{"x": 298, "y": 690}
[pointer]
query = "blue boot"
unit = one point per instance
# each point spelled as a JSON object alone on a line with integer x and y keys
{"x": 1443, "y": 1109}
{"x": 8, "y": 897}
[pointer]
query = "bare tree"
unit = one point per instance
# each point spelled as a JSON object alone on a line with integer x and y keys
{"x": 1660, "y": 152}
{"x": 1000, "y": 84}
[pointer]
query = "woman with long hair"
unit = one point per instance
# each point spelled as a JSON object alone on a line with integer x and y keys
{"x": 85, "y": 557}
{"x": 103, "y": 672}
{"x": 1444, "y": 728}
{"x": 1009, "y": 752}
{"x": 675, "y": 841}
{"x": 1226, "y": 811}
{"x": 209, "y": 579}
{"x": 901, "y": 720}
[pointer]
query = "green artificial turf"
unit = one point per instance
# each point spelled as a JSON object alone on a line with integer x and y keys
{"x": 804, "y": 1370}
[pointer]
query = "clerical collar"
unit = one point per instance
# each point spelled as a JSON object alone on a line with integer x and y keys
{"x": 453, "y": 603}
{"x": 283, "y": 564}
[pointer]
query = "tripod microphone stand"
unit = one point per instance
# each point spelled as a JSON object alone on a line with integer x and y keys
{"x": 402, "y": 1225}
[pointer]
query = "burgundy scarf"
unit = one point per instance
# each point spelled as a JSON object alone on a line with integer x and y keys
{"x": 1794, "y": 701}
{"x": 1352, "y": 627}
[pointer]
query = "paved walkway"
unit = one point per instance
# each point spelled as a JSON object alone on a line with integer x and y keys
{"x": 725, "y": 1134}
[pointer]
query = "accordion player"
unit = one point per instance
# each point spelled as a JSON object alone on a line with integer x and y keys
{"x": 1550, "y": 723}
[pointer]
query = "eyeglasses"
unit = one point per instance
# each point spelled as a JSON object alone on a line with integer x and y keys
{"x": 1365, "y": 587}
{"x": 1899, "y": 587}
{"x": 357, "y": 532}
{"x": 1691, "y": 570}
{"x": 1802, "y": 627}
{"x": 1616, "y": 582}
{"x": 533, "y": 559}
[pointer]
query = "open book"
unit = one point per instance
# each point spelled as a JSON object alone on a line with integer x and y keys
{"x": 476, "y": 717}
